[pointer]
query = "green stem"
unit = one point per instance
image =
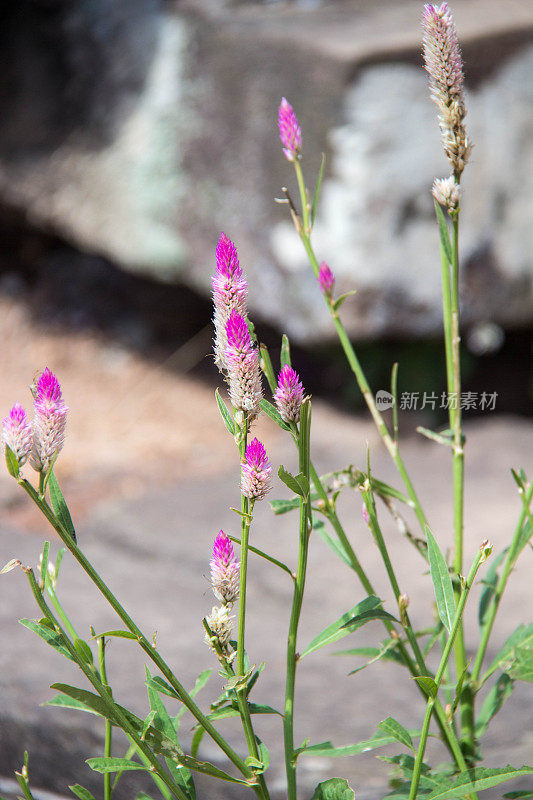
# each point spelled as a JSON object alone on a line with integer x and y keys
{"x": 441, "y": 670}
{"x": 103, "y": 691}
{"x": 145, "y": 644}
{"x": 510, "y": 561}
{"x": 299, "y": 586}
{"x": 304, "y": 200}
{"x": 108, "y": 730}
{"x": 362, "y": 382}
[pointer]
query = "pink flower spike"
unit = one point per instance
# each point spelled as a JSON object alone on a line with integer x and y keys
{"x": 243, "y": 369}
{"x": 17, "y": 433}
{"x": 229, "y": 293}
{"x": 326, "y": 279}
{"x": 224, "y": 570}
{"x": 49, "y": 421}
{"x": 255, "y": 472}
{"x": 289, "y": 130}
{"x": 289, "y": 395}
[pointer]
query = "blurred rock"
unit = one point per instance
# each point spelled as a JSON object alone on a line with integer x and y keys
{"x": 138, "y": 129}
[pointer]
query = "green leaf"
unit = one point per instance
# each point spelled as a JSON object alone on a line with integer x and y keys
{"x": 291, "y": 481}
{"x": 334, "y": 789}
{"x": 477, "y": 780}
{"x": 428, "y": 685}
{"x": 522, "y": 636}
{"x": 272, "y": 412}
{"x": 10, "y": 565}
{"x": 264, "y": 555}
{"x": 143, "y": 796}
{"x": 255, "y": 708}
{"x": 266, "y": 366}
{"x": 285, "y": 354}
{"x": 116, "y": 634}
{"x": 489, "y": 586}
{"x": 284, "y": 506}
{"x": 12, "y": 463}
{"x": 159, "y": 685}
{"x": 336, "y": 546}
{"x": 442, "y": 583}
{"x": 81, "y": 792}
{"x": 393, "y": 728}
{"x": 443, "y": 231}
{"x": 316, "y": 195}
{"x": 196, "y": 741}
{"x": 92, "y": 701}
{"x": 64, "y": 701}
{"x": 527, "y": 795}
{"x": 327, "y": 749}
{"x": 383, "y": 489}
{"x": 50, "y": 636}
{"x": 162, "y": 721}
{"x": 103, "y": 764}
{"x": 226, "y": 416}
{"x": 493, "y": 703}
{"x": 60, "y": 507}
{"x": 200, "y": 682}
{"x": 366, "y": 611}
{"x": 340, "y": 300}
{"x": 84, "y": 651}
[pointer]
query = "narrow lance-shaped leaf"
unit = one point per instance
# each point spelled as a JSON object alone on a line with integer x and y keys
{"x": 103, "y": 764}
{"x": 285, "y": 354}
{"x": 59, "y": 506}
{"x": 272, "y": 412}
{"x": 81, "y": 792}
{"x": 477, "y": 780}
{"x": 442, "y": 583}
{"x": 224, "y": 413}
{"x": 393, "y": 728}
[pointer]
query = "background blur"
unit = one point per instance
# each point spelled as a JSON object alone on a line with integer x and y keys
{"x": 131, "y": 133}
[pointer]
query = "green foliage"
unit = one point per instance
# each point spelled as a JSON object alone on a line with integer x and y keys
{"x": 334, "y": 789}
{"x": 442, "y": 583}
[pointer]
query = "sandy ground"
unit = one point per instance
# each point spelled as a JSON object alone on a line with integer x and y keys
{"x": 150, "y": 473}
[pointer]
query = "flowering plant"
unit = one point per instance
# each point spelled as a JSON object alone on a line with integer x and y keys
{"x": 450, "y": 696}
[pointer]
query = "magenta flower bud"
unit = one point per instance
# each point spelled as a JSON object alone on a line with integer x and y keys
{"x": 50, "y": 419}
{"x": 289, "y": 395}
{"x": 444, "y": 65}
{"x": 224, "y": 570}
{"x": 243, "y": 369}
{"x": 255, "y": 472}
{"x": 17, "y": 433}
{"x": 326, "y": 279}
{"x": 289, "y": 130}
{"x": 229, "y": 292}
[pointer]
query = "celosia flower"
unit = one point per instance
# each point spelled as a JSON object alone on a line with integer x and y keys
{"x": 220, "y": 623}
{"x": 446, "y": 192}
{"x": 17, "y": 433}
{"x": 289, "y": 395}
{"x": 326, "y": 279}
{"x": 49, "y": 421}
{"x": 224, "y": 570}
{"x": 242, "y": 363}
{"x": 229, "y": 292}
{"x": 255, "y": 472}
{"x": 289, "y": 130}
{"x": 445, "y": 67}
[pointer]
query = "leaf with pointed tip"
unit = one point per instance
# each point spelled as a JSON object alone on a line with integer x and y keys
{"x": 493, "y": 702}
{"x": 60, "y": 507}
{"x": 285, "y": 354}
{"x": 393, "y": 728}
{"x": 443, "y": 232}
{"x": 274, "y": 414}
{"x": 428, "y": 685}
{"x": 12, "y": 463}
{"x": 290, "y": 481}
{"x": 489, "y": 586}
{"x": 224, "y": 413}
{"x": 326, "y": 749}
{"x": 50, "y": 636}
{"x": 340, "y": 300}
{"x": 442, "y": 583}
{"x": 109, "y": 764}
{"x": 334, "y": 789}
{"x": 64, "y": 701}
{"x": 477, "y": 780}
{"x": 81, "y": 792}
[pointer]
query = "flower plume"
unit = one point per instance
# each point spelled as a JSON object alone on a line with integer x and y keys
{"x": 326, "y": 279}
{"x": 49, "y": 422}
{"x": 255, "y": 471}
{"x": 290, "y": 132}
{"x": 444, "y": 65}
{"x": 289, "y": 394}
{"x": 229, "y": 293}
{"x": 242, "y": 362}
{"x": 224, "y": 570}
{"x": 17, "y": 433}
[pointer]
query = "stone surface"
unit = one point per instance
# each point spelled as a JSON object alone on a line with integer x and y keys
{"x": 138, "y": 130}
{"x": 153, "y": 551}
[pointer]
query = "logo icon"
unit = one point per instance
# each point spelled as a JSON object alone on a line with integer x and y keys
{"x": 384, "y": 400}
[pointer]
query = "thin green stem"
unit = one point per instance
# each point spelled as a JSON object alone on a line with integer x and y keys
{"x": 299, "y": 586}
{"x": 510, "y": 561}
{"x": 103, "y": 691}
{"x": 481, "y": 556}
{"x": 304, "y": 200}
{"x": 145, "y": 644}
{"x": 108, "y": 729}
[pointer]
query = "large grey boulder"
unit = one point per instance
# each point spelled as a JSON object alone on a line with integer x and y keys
{"x": 138, "y": 130}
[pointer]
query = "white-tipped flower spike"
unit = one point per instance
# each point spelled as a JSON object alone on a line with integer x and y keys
{"x": 49, "y": 421}
{"x": 17, "y": 433}
{"x": 243, "y": 369}
{"x": 229, "y": 292}
{"x": 444, "y": 65}
{"x": 219, "y": 621}
{"x": 224, "y": 570}
{"x": 255, "y": 472}
{"x": 447, "y": 193}
{"x": 289, "y": 395}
